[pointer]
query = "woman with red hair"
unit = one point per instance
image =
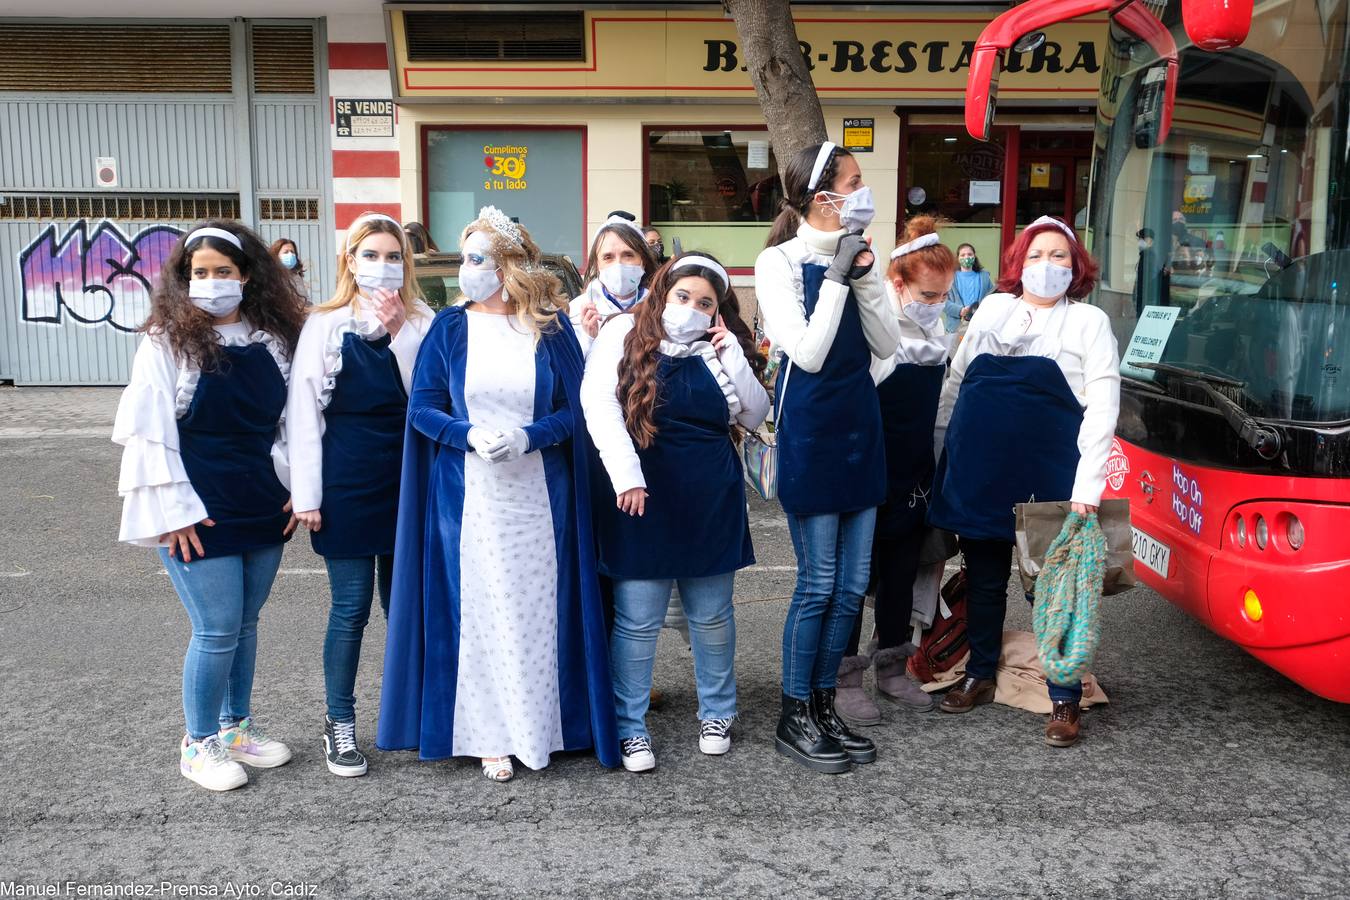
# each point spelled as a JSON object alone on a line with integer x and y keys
{"x": 1028, "y": 411}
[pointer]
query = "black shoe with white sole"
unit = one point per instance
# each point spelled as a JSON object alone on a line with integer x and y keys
{"x": 339, "y": 744}
{"x": 637, "y": 754}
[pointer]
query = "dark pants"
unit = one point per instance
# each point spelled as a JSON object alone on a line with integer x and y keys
{"x": 895, "y": 564}
{"x": 988, "y": 566}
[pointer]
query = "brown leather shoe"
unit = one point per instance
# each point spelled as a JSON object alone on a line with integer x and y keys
{"x": 1062, "y": 729}
{"x": 967, "y": 695}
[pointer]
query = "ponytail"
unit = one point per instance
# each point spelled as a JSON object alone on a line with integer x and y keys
{"x": 785, "y": 226}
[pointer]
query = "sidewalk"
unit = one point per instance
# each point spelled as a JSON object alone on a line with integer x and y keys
{"x": 27, "y": 412}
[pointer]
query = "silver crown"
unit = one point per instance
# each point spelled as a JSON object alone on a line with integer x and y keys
{"x": 498, "y": 221}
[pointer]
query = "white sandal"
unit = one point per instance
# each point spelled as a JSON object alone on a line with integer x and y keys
{"x": 498, "y": 770}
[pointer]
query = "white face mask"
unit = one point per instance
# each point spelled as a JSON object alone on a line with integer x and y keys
{"x": 478, "y": 284}
{"x": 684, "y": 323}
{"x": 620, "y": 279}
{"x": 925, "y": 315}
{"x": 1045, "y": 279}
{"x": 856, "y": 210}
{"x": 217, "y": 296}
{"x": 372, "y": 274}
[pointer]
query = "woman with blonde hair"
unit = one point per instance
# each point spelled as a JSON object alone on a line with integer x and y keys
{"x": 496, "y": 635}
{"x": 346, "y": 409}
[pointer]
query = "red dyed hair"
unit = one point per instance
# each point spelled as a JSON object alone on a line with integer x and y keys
{"x": 1085, "y": 268}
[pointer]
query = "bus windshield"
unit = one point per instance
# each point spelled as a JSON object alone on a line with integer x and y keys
{"x": 1222, "y": 245}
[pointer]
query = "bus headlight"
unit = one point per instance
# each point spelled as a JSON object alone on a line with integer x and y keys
{"x": 1262, "y": 531}
{"x": 1295, "y": 533}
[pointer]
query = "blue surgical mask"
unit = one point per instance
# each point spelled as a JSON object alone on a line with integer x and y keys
{"x": 289, "y": 260}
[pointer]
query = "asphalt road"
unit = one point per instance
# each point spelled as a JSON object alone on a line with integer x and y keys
{"x": 1208, "y": 775}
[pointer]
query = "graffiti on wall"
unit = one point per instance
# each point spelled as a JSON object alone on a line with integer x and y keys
{"x": 96, "y": 277}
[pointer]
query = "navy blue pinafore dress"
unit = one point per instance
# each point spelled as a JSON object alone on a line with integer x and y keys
{"x": 362, "y": 452}
{"x": 909, "y": 405}
{"x": 1012, "y": 438}
{"x": 695, "y": 524}
{"x": 831, "y": 450}
{"x": 225, "y": 439}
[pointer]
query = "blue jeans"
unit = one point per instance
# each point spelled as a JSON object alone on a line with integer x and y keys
{"x": 223, "y": 597}
{"x": 352, "y": 583}
{"x": 833, "y": 560}
{"x": 988, "y": 565}
{"x": 639, "y": 611}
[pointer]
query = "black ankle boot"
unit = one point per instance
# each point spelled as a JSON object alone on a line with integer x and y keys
{"x": 799, "y": 738}
{"x": 859, "y": 749}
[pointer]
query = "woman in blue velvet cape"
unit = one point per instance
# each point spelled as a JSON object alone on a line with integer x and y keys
{"x": 422, "y": 656}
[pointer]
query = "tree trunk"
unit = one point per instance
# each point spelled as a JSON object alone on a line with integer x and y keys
{"x": 773, "y": 57}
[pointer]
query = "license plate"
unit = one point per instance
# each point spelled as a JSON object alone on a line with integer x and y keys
{"x": 1154, "y": 554}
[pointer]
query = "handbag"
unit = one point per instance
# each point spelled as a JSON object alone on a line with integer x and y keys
{"x": 1038, "y": 524}
{"x": 759, "y": 450}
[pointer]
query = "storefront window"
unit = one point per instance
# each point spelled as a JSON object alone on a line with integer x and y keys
{"x": 713, "y": 189}
{"x": 533, "y": 175}
{"x": 959, "y": 179}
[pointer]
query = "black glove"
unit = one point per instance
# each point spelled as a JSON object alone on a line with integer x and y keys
{"x": 843, "y": 266}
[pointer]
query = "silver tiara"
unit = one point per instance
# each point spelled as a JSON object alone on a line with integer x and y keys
{"x": 498, "y": 221}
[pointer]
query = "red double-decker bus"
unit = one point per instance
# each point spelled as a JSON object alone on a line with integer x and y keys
{"x": 1223, "y": 240}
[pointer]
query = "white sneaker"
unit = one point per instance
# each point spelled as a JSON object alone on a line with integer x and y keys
{"x": 246, "y": 743}
{"x": 207, "y": 763}
{"x": 714, "y": 736}
{"x": 637, "y": 754}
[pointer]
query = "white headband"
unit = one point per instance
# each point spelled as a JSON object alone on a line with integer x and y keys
{"x": 822, "y": 157}
{"x": 923, "y": 240}
{"x": 1048, "y": 220}
{"x": 367, "y": 218}
{"x": 619, "y": 220}
{"x": 215, "y": 233}
{"x": 687, "y": 262}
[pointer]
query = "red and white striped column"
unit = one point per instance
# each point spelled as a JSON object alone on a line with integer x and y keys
{"x": 365, "y": 169}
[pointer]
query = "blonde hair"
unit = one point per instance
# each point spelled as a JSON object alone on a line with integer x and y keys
{"x": 532, "y": 293}
{"x": 348, "y": 291}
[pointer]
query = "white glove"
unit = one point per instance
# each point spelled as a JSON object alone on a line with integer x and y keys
{"x": 483, "y": 442}
{"x": 512, "y": 445}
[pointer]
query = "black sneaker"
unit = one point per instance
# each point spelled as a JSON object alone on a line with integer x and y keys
{"x": 637, "y": 754}
{"x": 339, "y": 743}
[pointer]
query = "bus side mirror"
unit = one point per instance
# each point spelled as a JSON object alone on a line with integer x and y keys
{"x": 986, "y": 64}
{"x": 1217, "y": 24}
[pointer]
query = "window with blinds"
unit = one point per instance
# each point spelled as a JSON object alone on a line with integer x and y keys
{"x": 93, "y": 57}
{"x": 288, "y": 209}
{"x": 492, "y": 36}
{"x": 283, "y": 59}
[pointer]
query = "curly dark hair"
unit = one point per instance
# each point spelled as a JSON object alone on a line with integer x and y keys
{"x": 272, "y": 302}
{"x": 639, "y": 388}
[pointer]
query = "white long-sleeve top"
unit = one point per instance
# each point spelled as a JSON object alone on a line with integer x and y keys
{"x": 782, "y": 304}
{"x": 1088, "y": 357}
{"x": 747, "y": 401}
{"x": 314, "y": 372}
{"x": 917, "y": 346}
{"x": 157, "y": 496}
{"x": 594, "y": 293}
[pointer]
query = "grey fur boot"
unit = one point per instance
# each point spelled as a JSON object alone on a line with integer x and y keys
{"x": 894, "y": 683}
{"x": 851, "y": 699}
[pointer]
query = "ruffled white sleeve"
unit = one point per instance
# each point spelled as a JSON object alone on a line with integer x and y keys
{"x": 304, "y": 414}
{"x": 584, "y": 340}
{"x": 1101, "y": 389}
{"x": 747, "y": 401}
{"x": 604, "y": 415}
{"x": 879, "y": 324}
{"x": 157, "y": 496}
{"x": 408, "y": 341}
